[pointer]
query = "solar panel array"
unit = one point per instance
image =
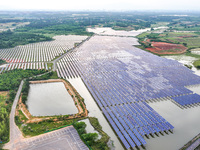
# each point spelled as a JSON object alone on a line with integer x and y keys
{"x": 121, "y": 78}
{"x": 42, "y": 51}
{"x": 36, "y": 55}
{"x": 11, "y": 66}
{"x": 186, "y": 100}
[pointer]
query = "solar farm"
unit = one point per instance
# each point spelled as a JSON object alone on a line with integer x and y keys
{"x": 124, "y": 79}
{"x": 36, "y": 55}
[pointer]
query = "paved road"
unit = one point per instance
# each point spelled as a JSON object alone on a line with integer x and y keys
{"x": 15, "y": 134}
{"x": 63, "y": 55}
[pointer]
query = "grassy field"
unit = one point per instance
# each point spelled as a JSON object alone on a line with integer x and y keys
{"x": 197, "y": 64}
{"x": 33, "y": 129}
{"x": 190, "y": 40}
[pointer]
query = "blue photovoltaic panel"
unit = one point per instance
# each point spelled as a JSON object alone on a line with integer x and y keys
{"x": 121, "y": 78}
{"x": 185, "y": 100}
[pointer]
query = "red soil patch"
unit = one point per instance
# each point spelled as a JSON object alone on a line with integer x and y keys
{"x": 148, "y": 40}
{"x": 167, "y": 48}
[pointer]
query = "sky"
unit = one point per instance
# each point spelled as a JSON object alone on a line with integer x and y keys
{"x": 116, "y": 5}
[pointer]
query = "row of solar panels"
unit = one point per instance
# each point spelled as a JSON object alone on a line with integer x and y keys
{"x": 185, "y": 100}
{"x": 39, "y": 65}
{"x": 139, "y": 118}
{"x": 120, "y": 85}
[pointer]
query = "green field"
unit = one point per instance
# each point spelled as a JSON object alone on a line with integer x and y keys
{"x": 190, "y": 40}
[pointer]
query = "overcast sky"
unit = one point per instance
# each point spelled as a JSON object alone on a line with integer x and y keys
{"x": 100, "y": 4}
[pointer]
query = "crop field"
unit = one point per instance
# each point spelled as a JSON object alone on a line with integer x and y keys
{"x": 191, "y": 39}
{"x": 122, "y": 79}
{"x": 170, "y": 42}
{"x": 167, "y": 48}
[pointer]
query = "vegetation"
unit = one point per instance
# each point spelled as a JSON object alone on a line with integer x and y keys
{"x": 89, "y": 138}
{"x": 2, "y": 62}
{"x": 101, "y": 144}
{"x": 41, "y": 26}
{"x": 25, "y": 90}
{"x": 10, "y": 80}
{"x": 10, "y": 39}
{"x": 33, "y": 129}
{"x": 4, "y": 116}
{"x": 46, "y": 76}
{"x": 197, "y": 64}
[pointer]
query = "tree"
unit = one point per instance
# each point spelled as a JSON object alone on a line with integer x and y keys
{"x": 90, "y": 138}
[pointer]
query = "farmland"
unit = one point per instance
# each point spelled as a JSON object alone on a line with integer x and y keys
{"x": 175, "y": 42}
{"x": 166, "y": 48}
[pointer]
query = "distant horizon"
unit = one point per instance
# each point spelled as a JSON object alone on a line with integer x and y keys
{"x": 85, "y": 10}
{"x": 103, "y": 5}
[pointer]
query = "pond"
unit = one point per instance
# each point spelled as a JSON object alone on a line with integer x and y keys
{"x": 49, "y": 99}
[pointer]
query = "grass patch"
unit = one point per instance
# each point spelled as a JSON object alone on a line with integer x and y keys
{"x": 50, "y": 65}
{"x": 192, "y": 55}
{"x": 143, "y": 35}
{"x": 22, "y": 116}
{"x": 197, "y": 64}
{"x": 54, "y": 75}
{"x": 33, "y": 129}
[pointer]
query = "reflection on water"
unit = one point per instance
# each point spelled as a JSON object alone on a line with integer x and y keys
{"x": 185, "y": 121}
{"x": 94, "y": 110}
{"x": 47, "y": 99}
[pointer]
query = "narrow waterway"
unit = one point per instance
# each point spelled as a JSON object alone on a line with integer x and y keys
{"x": 48, "y": 99}
{"x": 94, "y": 110}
